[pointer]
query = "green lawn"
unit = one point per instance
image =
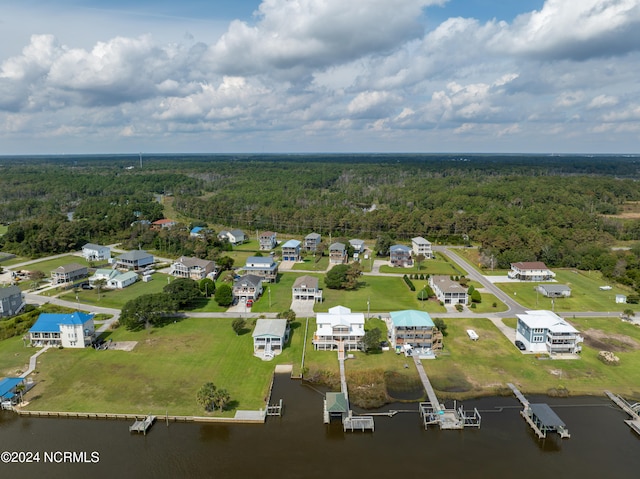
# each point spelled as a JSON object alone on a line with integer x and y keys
{"x": 3, "y": 229}
{"x": 116, "y": 298}
{"x": 14, "y": 357}
{"x": 280, "y": 294}
{"x": 585, "y": 293}
{"x": 486, "y": 306}
{"x": 310, "y": 264}
{"x": 46, "y": 266}
{"x": 384, "y": 294}
{"x": 161, "y": 374}
{"x": 10, "y": 262}
{"x": 251, "y": 246}
{"x": 472, "y": 255}
{"x": 439, "y": 265}
{"x": 482, "y": 367}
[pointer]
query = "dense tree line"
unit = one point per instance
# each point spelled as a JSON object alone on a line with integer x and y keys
{"x": 516, "y": 208}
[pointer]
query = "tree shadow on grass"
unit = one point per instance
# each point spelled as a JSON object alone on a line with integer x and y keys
{"x": 167, "y": 320}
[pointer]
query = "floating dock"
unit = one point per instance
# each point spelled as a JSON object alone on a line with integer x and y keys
{"x": 540, "y": 417}
{"x": 143, "y": 425}
{"x": 632, "y": 410}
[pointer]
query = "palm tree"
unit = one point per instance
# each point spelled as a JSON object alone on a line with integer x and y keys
{"x": 221, "y": 398}
{"x": 20, "y": 388}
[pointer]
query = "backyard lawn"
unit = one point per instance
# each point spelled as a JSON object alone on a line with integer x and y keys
{"x": 146, "y": 381}
{"x": 46, "y": 266}
{"x": 472, "y": 368}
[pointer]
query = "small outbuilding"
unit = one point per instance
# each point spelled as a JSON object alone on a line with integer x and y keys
{"x": 621, "y": 299}
{"x": 554, "y": 290}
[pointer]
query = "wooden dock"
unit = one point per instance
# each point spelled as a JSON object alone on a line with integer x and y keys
{"x": 540, "y": 417}
{"x": 633, "y": 410}
{"x": 432, "y": 412}
{"x": 142, "y": 425}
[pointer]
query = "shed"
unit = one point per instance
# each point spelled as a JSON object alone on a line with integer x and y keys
{"x": 554, "y": 290}
{"x": 621, "y": 299}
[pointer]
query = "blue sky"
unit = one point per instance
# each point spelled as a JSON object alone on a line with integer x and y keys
{"x": 319, "y": 75}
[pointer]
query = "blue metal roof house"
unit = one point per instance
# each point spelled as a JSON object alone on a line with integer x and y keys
{"x": 75, "y": 330}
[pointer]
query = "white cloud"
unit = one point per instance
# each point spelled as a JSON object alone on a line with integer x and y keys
{"x": 355, "y": 75}
{"x": 574, "y": 29}
{"x": 298, "y": 35}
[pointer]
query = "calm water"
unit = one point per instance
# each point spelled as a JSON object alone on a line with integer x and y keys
{"x": 299, "y": 445}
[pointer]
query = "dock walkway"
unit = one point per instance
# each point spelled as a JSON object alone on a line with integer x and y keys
{"x": 142, "y": 425}
{"x": 632, "y": 410}
{"x": 540, "y": 417}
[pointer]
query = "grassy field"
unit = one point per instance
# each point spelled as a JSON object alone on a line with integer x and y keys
{"x": 14, "y": 357}
{"x": 310, "y": 264}
{"x": 486, "y": 306}
{"x": 472, "y": 255}
{"x": 383, "y": 293}
{"x": 485, "y": 366}
{"x": 116, "y": 298}
{"x": 161, "y": 374}
{"x": 3, "y": 229}
{"x": 439, "y": 265}
{"x": 46, "y": 266}
{"x": 585, "y": 293}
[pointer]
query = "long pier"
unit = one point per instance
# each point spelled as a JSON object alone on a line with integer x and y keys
{"x": 349, "y": 421}
{"x": 432, "y": 412}
{"x": 632, "y": 410}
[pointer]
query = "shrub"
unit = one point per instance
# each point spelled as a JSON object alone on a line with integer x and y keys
{"x": 409, "y": 282}
{"x": 473, "y": 305}
{"x": 459, "y": 307}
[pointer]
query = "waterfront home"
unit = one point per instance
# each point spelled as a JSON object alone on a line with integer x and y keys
{"x": 291, "y": 250}
{"x": 235, "y": 237}
{"x": 414, "y": 329}
{"x": 337, "y": 253}
{"x": 339, "y": 329}
{"x": 136, "y": 259}
{"x": 447, "y": 290}
{"x": 267, "y": 240}
{"x": 246, "y": 287}
{"x": 400, "y": 255}
{"x": 194, "y": 268}
{"x": 269, "y": 337}
{"x": 74, "y": 330}
{"x": 545, "y": 332}
{"x": 530, "y": 271}
{"x": 68, "y": 273}
{"x": 95, "y": 252}
{"x": 305, "y": 288}
{"x": 554, "y": 290}
{"x": 263, "y": 266}
{"x": 311, "y": 242}
{"x": 419, "y": 245}
{"x": 11, "y": 301}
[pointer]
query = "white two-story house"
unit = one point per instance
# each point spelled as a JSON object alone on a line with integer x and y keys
{"x": 339, "y": 329}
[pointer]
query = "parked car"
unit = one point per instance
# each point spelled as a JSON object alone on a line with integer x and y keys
{"x": 249, "y": 303}
{"x": 86, "y": 286}
{"x": 520, "y": 345}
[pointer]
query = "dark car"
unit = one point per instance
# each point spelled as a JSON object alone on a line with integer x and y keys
{"x": 86, "y": 286}
{"x": 520, "y": 345}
